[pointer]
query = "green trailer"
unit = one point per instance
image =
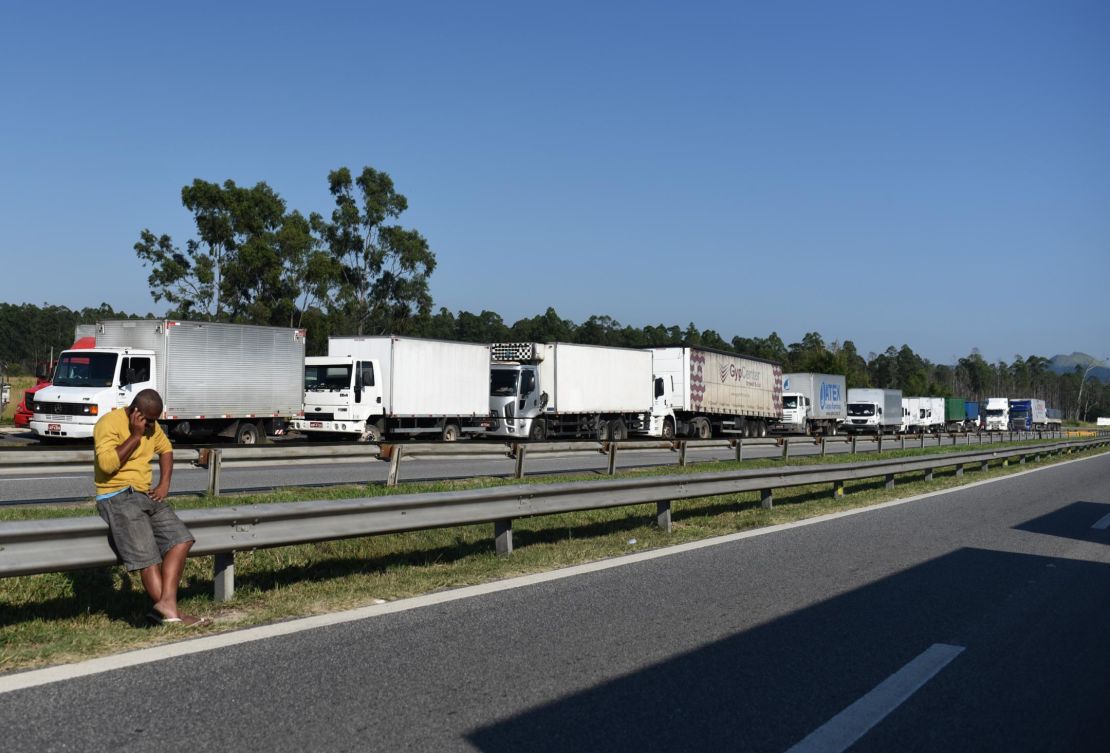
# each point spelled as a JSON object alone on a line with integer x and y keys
{"x": 955, "y": 413}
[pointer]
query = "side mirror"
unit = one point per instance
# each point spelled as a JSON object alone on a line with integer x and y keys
{"x": 543, "y": 400}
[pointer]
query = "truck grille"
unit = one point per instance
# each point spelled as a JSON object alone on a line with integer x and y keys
{"x": 64, "y": 409}
{"x": 321, "y": 416}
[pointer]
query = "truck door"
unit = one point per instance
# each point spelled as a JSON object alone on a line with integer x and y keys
{"x": 528, "y": 403}
{"x": 136, "y": 374}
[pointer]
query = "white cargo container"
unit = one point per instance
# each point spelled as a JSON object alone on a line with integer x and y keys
{"x": 374, "y": 387}
{"x": 874, "y": 410}
{"x": 923, "y": 414}
{"x": 540, "y": 390}
{"x": 233, "y": 380}
{"x": 813, "y": 403}
{"x": 712, "y": 391}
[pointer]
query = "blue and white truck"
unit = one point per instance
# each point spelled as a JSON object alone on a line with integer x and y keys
{"x": 813, "y": 404}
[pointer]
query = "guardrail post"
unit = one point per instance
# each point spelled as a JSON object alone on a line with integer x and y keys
{"x": 223, "y": 576}
{"x": 928, "y": 474}
{"x": 880, "y": 441}
{"x": 215, "y": 457}
{"x": 923, "y": 440}
{"x": 838, "y": 489}
{"x": 521, "y": 451}
{"x": 903, "y": 439}
{"x": 1005, "y": 462}
{"x": 739, "y": 449}
{"x": 959, "y": 470}
{"x": 889, "y": 481}
{"x": 984, "y": 465}
{"x": 1021, "y": 460}
{"x": 766, "y": 499}
{"x": 394, "y": 465}
{"x": 682, "y": 453}
{"x": 853, "y": 444}
{"x": 785, "y": 448}
{"x": 503, "y": 535}
{"x": 612, "y": 458}
{"x": 663, "y": 515}
{"x": 824, "y": 445}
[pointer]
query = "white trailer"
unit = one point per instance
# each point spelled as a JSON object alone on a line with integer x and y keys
{"x": 541, "y": 390}
{"x": 711, "y": 391}
{"x": 233, "y": 380}
{"x": 923, "y": 414}
{"x": 874, "y": 410}
{"x": 813, "y": 403}
{"x": 371, "y": 388}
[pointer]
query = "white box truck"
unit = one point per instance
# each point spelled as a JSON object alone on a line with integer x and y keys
{"x": 542, "y": 390}
{"x": 923, "y": 415}
{"x": 813, "y": 404}
{"x": 996, "y": 416}
{"x": 712, "y": 391}
{"x": 373, "y": 388}
{"x": 232, "y": 380}
{"x": 873, "y": 410}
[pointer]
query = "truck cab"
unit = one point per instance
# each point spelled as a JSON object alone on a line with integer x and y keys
{"x": 997, "y": 414}
{"x": 87, "y": 384}
{"x": 515, "y": 401}
{"x": 342, "y": 396}
{"x": 795, "y": 412}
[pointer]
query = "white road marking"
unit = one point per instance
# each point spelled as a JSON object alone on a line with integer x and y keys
{"x": 1103, "y": 523}
{"x": 35, "y": 677}
{"x": 841, "y": 732}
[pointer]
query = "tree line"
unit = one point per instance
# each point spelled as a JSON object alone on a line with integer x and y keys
{"x": 354, "y": 270}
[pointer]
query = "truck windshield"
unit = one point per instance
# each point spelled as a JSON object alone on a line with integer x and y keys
{"x": 327, "y": 378}
{"x": 502, "y": 382}
{"x": 995, "y": 411}
{"x": 861, "y": 409}
{"x": 85, "y": 370}
{"x": 789, "y": 402}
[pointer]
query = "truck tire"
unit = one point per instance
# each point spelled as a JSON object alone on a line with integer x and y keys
{"x": 538, "y": 431}
{"x": 602, "y": 430}
{"x": 830, "y": 429}
{"x": 617, "y": 430}
{"x": 451, "y": 432}
{"x": 247, "y": 433}
{"x": 762, "y": 429}
{"x": 668, "y": 428}
{"x": 370, "y": 433}
{"x": 702, "y": 429}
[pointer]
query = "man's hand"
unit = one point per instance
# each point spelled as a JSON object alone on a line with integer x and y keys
{"x": 160, "y": 492}
{"x": 138, "y": 423}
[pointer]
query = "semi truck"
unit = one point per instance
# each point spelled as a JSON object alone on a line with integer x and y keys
{"x": 973, "y": 420}
{"x": 923, "y": 414}
{"x": 713, "y": 392}
{"x": 546, "y": 390}
{"x": 373, "y": 388}
{"x": 232, "y": 380}
{"x": 955, "y": 414}
{"x": 996, "y": 414}
{"x": 813, "y": 403}
{"x": 873, "y": 411}
{"x": 1028, "y": 414}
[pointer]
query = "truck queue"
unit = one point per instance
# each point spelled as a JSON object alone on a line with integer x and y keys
{"x": 242, "y": 382}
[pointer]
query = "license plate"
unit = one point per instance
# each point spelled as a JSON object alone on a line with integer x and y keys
{"x": 316, "y": 424}
{"x": 54, "y": 427}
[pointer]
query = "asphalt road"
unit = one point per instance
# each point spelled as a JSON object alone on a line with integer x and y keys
{"x": 35, "y": 485}
{"x": 819, "y": 633}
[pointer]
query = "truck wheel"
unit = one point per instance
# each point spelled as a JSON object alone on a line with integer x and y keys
{"x": 538, "y": 430}
{"x": 617, "y": 430}
{"x": 762, "y": 429}
{"x": 451, "y": 432}
{"x": 668, "y": 429}
{"x": 703, "y": 430}
{"x": 830, "y": 429}
{"x": 247, "y": 433}
{"x": 602, "y": 430}
{"x": 370, "y": 433}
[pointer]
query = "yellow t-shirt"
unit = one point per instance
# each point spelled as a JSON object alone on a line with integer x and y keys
{"x": 110, "y": 432}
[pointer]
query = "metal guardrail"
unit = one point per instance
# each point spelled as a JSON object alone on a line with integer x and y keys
{"x": 215, "y": 458}
{"x": 53, "y": 545}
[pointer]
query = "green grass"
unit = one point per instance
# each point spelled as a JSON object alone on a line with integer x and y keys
{"x": 57, "y": 618}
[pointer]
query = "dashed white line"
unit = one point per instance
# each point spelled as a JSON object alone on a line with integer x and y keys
{"x": 841, "y": 732}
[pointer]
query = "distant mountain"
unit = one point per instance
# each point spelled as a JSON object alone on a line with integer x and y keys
{"x": 1062, "y": 364}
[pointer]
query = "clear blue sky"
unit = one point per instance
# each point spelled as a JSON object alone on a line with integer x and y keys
{"x": 870, "y": 170}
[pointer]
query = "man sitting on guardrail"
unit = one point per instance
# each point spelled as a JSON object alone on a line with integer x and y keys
{"x": 145, "y": 532}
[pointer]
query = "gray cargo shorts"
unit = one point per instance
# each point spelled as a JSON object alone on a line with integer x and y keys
{"x": 141, "y": 530}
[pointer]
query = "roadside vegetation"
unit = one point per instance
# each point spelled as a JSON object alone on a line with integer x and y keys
{"x": 19, "y": 384}
{"x": 64, "y": 617}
